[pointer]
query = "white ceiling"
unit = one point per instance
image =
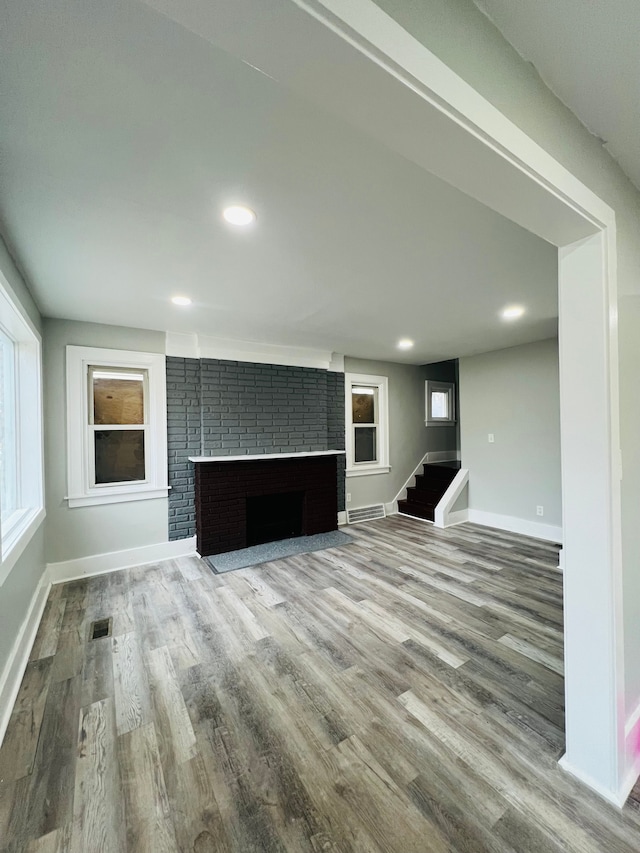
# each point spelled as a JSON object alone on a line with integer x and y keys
{"x": 123, "y": 136}
{"x": 588, "y": 53}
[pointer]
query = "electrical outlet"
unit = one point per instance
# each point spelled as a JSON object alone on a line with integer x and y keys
{"x": 539, "y": 510}
{"x": 492, "y": 438}
{"x": 348, "y": 497}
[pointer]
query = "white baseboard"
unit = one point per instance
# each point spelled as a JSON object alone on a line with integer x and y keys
{"x": 620, "y": 797}
{"x": 391, "y": 508}
{"x": 100, "y": 564}
{"x": 629, "y": 781}
{"x": 548, "y": 532}
{"x": 632, "y": 751}
{"x": 612, "y": 796}
{"x": 442, "y": 456}
{"x": 415, "y": 518}
{"x": 342, "y": 518}
{"x": 402, "y": 493}
{"x": 458, "y": 517}
{"x": 455, "y": 518}
{"x": 11, "y": 676}
{"x": 455, "y": 489}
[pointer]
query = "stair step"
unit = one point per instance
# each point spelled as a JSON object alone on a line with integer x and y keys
{"x": 426, "y": 484}
{"x": 439, "y": 475}
{"x": 429, "y": 488}
{"x": 416, "y": 510}
{"x": 453, "y": 464}
{"x": 423, "y": 496}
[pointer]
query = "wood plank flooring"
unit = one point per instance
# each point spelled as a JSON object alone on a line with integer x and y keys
{"x": 403, "y": 694}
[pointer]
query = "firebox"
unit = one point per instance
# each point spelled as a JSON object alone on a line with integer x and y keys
{"x": 273, "y": 517}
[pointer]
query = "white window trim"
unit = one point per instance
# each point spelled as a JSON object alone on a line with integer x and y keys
{"x": 382, "y": 466}
{"x": 79, "y": 450}
{"x": 449, "y": 388}
{"x": 17, "y": 532}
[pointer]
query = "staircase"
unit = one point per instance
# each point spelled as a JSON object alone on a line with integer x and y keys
{"x": 430, "y": 486}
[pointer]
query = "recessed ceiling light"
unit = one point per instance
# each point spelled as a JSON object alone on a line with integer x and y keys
{"x": 239, "y": 215}
{"x": 181, "y": 300}
{"x": 512, "y": 312}
{"x": 405, "y": 343}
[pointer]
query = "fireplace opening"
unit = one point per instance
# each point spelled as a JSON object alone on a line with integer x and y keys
{"x": 274, "y": 517}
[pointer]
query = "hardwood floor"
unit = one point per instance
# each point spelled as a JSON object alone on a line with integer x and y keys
{"x": 401, "y": 694}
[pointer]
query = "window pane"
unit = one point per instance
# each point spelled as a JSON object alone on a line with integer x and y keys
{"x": 8, "y": 446}
{"x": 119, "y": 455}
{"x": 439, "y": 404}
{"x": 365, "y": 444}
{"x": 363, "y": 403}
{"x": 118, "y": 398}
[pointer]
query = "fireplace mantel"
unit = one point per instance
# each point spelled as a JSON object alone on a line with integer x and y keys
{"x": 261, "y": 457}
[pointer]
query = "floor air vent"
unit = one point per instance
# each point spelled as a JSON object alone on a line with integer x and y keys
{"x": 365, "y": 513}
{"x": 100, "y": 628}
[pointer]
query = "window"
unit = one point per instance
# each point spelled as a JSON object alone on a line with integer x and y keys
{"x": 117, "y": 414}
{"x": 21, "y": 473}
{"x": 8, "y": 443}
{"x": 366, "y": 424}
{"x": 116, "y": 411}
{"x": 440, "y": 403}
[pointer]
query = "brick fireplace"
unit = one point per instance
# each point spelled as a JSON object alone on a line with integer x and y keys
{"x": 219, "y": 408}
{"x": 244, "y": 500}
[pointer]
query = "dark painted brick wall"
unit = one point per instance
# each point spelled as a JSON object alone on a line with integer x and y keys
{"x": 262, "y": 407}
{"x": 223, "y": 408}
{"x": 183, "y": 439}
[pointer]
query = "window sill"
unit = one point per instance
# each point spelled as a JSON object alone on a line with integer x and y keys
{"x": 14, "y": 543}
{"x": 363, "y": 472}
{"x": 118, "y": 497}
{"x": 440, "y": 423}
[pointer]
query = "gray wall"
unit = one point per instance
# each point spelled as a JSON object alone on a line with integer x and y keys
{"x": 465, "y": 40}
{"x": 630, "y": 428}
{"x": 20, "y": 585}
{"x": 514, "y": 394}
{"x": 444, "y": 438}
{"x": 409, "y": 438}
{"x": 84, "y": 531}
{"x": 222, "y": 408}
{"x": 18, "y": 285}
